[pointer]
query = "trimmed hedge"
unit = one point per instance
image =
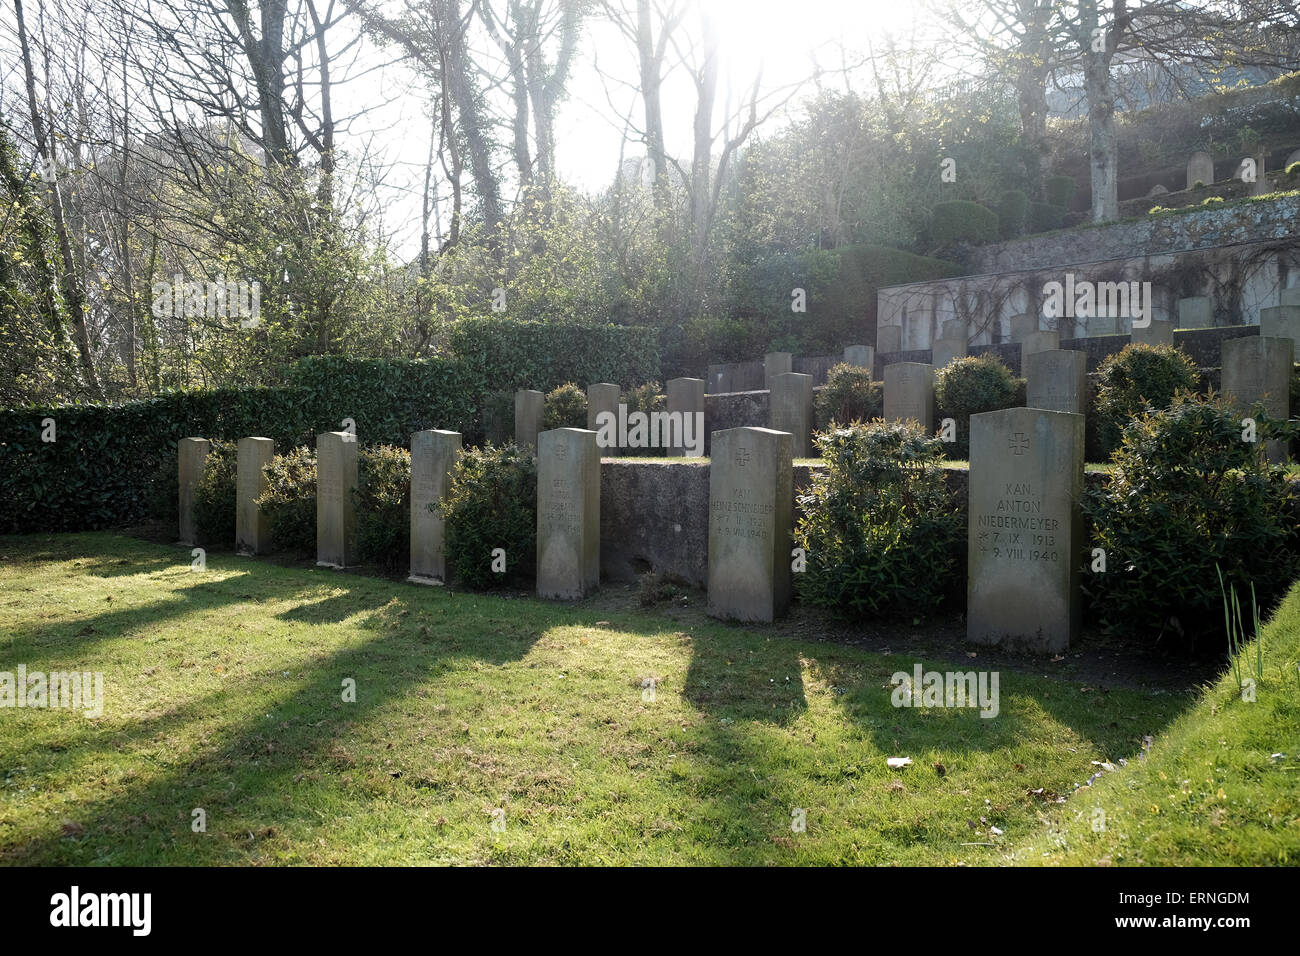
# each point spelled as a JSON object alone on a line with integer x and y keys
{"x": 1013, "y": 214}
{"x": 499, "y": 354}
{"x": 1045, "y": 217}
{"x": 962, "y": 221}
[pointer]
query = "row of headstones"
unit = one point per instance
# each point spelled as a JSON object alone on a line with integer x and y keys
{"x": 790, "y": 403}
{"x": 1200, "y": 169}
{"x": 1195, "y": 312}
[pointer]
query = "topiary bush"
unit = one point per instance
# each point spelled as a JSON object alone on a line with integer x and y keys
{"x": 849, "y": 396}
{"x": 289, "y": 501}
{"x": 1135, "y": 378}
{"x": 644, "y": 398}
{"x": 1044, "y": 217}
{"x": 969, "y": 385}
{"x": 215, "y": 497}
{"x": 1187, "y": 495}
{"x": 383, "y": 502}
{"x": 880, "y": 529}
{"x": 1059, "y": 191}
{"x": 962, "y": 221}
{"x": 491, "y": 503}
{"x": 1013, "y": 213}
{"x": 565, "y": 407}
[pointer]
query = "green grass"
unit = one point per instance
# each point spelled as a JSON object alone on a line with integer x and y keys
{"x": 223, "y": 692}
{"x": 1221, "y": 785}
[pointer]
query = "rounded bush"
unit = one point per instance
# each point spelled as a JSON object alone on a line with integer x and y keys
{"x": 1059, "y": 190}
{"x": 849, "y": 396}
{"x": 1013, "y": 213}
{"x": 383, "y": 503}
{"x": 214, "y": 497}
{"x": 289, "y": 501}
{"x": 962, "y": 221}
{"x": 565, "y": 407}
{"x": 968, "y": 386}
{"x": 1134, "y": 379}
{"x": 1187, "y": 498}
{"x": 492, "y": 503}
{"x": 1044, "y": 217}
{"x": 881, "y": 530}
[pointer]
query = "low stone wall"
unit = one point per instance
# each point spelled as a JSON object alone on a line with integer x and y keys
{"x": 654, "y": 515}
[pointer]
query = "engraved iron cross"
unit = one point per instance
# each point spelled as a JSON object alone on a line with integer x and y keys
{"x": 1018, "y": 443}
{"x": 742, "y": 456}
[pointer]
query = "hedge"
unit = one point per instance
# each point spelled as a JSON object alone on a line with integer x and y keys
{"x": 500, "y": 354}
{"x": 962, "y": 221}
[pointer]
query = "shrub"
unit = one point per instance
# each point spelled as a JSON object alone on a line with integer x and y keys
{"x": 1059, "y": 191}
{"x": 962, "y": 221}
{"x": 214, "y": 497}
{"x": 1044, "y": 217}
{"x": 645, "y": 398}
{"x": 1013, "y": 213}
{"x": 290, "y": 501}
{"x": 1211, "y": 200}
{"x": 881, "y": 531}
{"x": 1186, "y": 495}
{"x": 566, "y": 407}
{"x": 969, "y": 385}
{"x": 849, "y": 396}
{"x": 492, "y": 503}
{"x": 383, "y": 503}
{"x": 1138, "y": 377}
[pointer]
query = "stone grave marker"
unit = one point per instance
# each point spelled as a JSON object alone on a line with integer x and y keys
{"x": 602, "y": 397}
{"x": 568, "y": 514}
{"x": 1057, "y": 380}
{"x": 686, "y": 397}
{"x": 252, "y": 531}
{"x": 909, "y": 393}
{"x": 191, "y": 456}
{"x": 1258, "y": 369}
{"x": 792, "y": 410}
{"x": 433, "y": 458}
{"x": 336, "y": 516}
{"x": 751, "y": 501}
{"x": 529, "y": 411}
{"x": 1025, "y": 531}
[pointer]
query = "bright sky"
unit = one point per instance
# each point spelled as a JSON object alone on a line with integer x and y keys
{"x": 775, "y": 36}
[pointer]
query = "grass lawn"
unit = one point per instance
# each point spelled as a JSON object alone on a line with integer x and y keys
{"x": 223, "y": 691}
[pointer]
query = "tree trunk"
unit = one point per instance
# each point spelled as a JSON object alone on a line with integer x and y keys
{"x": 650, "y": 55}
{"x": 73, "y": 294}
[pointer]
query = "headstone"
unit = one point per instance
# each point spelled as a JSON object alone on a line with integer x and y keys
{"x": 953, "y": 329}
{"x": 776, "y": 363}
{"x": 1022, "y": 325}
{"x": 336, "y": 514}
{"x": 1200, "y": 169}
{"x": 252, "y": 530}
{"x": 791, "y": 406}
{"x": 529, "y": 410}
{"x": 944, "y": 350}
{"x": 602, "y": 397}
{"x": 1057, "y": 380}
{"x": 889, "y": 338}
{"x": 1290, "y": 296}
{"x": 1038, "y": 342}
{"x": 568, "y": 513}
{"x": 191, "y": 456}
{"x": 1157, "y": 190}
{"x": 1259, "y": 369}
{"x": 433, "y": 457}
{"x": 686, "y": 396}
{"x": 751, "y": 501}
{"x": 1196, "y": 312}
{"x": 863, "y": 356}
{"x": 1158, "y": 332}
{"x": 1281, "y": 322}
{"x": 1102, "y": 325}
{"x": 1025, "y": 531}
{"x": 909, "y": 393}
